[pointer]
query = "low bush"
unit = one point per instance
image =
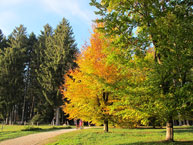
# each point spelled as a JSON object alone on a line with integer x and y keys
{"x": 31, "y": 128}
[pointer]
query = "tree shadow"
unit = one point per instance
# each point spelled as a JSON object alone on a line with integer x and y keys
{"x": 37, "y": 129}
{"x": 161, "y": 143}
{"x": 14, "y": 134}
{"x": 183, "y": 130}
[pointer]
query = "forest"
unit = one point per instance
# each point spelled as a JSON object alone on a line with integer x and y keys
{"x": 32, "y": 70}
{"x": 137, "y": 69}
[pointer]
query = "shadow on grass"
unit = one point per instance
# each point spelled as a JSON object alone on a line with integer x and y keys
{"x": 4, "y": 135}
{"x": 37, "y": 129}
{"x": 182, "y": 130}
{"x": 161, "y": 143}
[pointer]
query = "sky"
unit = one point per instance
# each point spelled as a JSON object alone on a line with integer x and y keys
{"x": 34, "y": 14}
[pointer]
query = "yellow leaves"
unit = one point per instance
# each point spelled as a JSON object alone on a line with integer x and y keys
{"x": 84, "y": 86}
{"x": 112, "y": 3}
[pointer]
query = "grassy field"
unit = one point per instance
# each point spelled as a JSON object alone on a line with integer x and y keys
{"x": 13, "y": 131}
{"x": 95, "y": 136}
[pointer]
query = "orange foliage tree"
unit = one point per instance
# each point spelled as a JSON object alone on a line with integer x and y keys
{"x": 103, "y": 90}
{"x": 88, "y": 88}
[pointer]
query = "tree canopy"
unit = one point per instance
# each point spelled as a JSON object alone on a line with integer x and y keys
{"x": 166, "y": 26}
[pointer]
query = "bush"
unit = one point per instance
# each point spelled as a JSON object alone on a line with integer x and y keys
{"x": 37, "y": 118}
{"x": 31, "y": 128}
{"x": 66, "y": 127}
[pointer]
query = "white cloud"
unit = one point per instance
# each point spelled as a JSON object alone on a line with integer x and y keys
{"x": 13, "y": 12}
{"x": 68, "y": 7}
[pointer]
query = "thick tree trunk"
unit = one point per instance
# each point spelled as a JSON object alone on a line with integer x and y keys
{"x": 106, "y": 126}
{"x": 58, "y": 116}
{"x": 169, "y": 131}
{"x": 187, "y": 122}
{"x": 180, "y": 123}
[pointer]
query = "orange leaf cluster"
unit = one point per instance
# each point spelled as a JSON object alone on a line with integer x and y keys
{"x": 85, "y": 86}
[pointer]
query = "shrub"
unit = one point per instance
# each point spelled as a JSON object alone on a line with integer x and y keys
{"x": 31, "y": 128}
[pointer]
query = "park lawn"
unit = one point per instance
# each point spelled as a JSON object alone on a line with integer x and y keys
{"x": 13, "y": 131}
{"x": 95, "y": 136}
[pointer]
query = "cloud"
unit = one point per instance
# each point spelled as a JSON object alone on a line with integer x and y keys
{"x": 68, "y": 8}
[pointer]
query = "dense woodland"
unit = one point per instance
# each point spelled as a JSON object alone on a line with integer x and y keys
{"x": 136, "y": 70}
{"x": 31, "y": 73}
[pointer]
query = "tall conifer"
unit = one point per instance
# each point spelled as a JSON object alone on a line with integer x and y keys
{"x": 59, "y": 54}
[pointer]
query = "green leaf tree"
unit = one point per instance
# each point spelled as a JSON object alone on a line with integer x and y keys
{"x": 165, "y": 25}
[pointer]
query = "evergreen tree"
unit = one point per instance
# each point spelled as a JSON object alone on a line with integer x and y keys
{"x": 58, "y": 51}
{"x": 30, "y": 77}
{"x": 13, "y": 72}
{"x": 3, "y": 41}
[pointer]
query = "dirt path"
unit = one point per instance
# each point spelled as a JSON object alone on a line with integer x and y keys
{"x": 35, "y": 139}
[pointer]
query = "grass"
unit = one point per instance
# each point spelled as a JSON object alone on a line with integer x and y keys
{"x": 13, "y": 131}
{"x": 95, "y": 136}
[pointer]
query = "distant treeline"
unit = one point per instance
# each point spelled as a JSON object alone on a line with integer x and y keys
{"x": 31, "y": 73}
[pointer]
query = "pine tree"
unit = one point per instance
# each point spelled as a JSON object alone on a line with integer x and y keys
{"x": 2, "y": 111}
{"x": 3, "y": 41}
{"x": 30, "y": 74}
{"x": 13, "y": 72}
{"x": 59, "y": 54}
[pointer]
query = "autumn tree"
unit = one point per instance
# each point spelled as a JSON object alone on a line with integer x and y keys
{"x": 165, "y": 25}
{"x": 89, "y": 89}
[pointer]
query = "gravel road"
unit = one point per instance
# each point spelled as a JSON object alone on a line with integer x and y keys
{"x": 35, "y": 139}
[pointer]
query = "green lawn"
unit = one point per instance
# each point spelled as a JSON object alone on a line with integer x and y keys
{"x": 13, "y": 131}
{"x": 95, "y": 136}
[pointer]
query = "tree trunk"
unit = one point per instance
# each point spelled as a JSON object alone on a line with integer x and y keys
{"x": 10, "y": 117}
{"x": 32, "y": 108}
{"x": 7, "y": 119}
{"x": 184, "y": 122}
{"x": 179, "y": 119}
{"x": 169, "y": 131}
{"x": 174, "y": 123}
{"x": 106, "y": 127}
{"x": 14, "y": 114}
{"x": 58, "y": 116}
{"x": 187, "y": 122}
{"x": 23, "y": 110}
{"x": 180, "y": 123}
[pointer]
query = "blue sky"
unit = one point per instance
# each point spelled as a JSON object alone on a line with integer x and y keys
{"x": 34, "y": 14}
